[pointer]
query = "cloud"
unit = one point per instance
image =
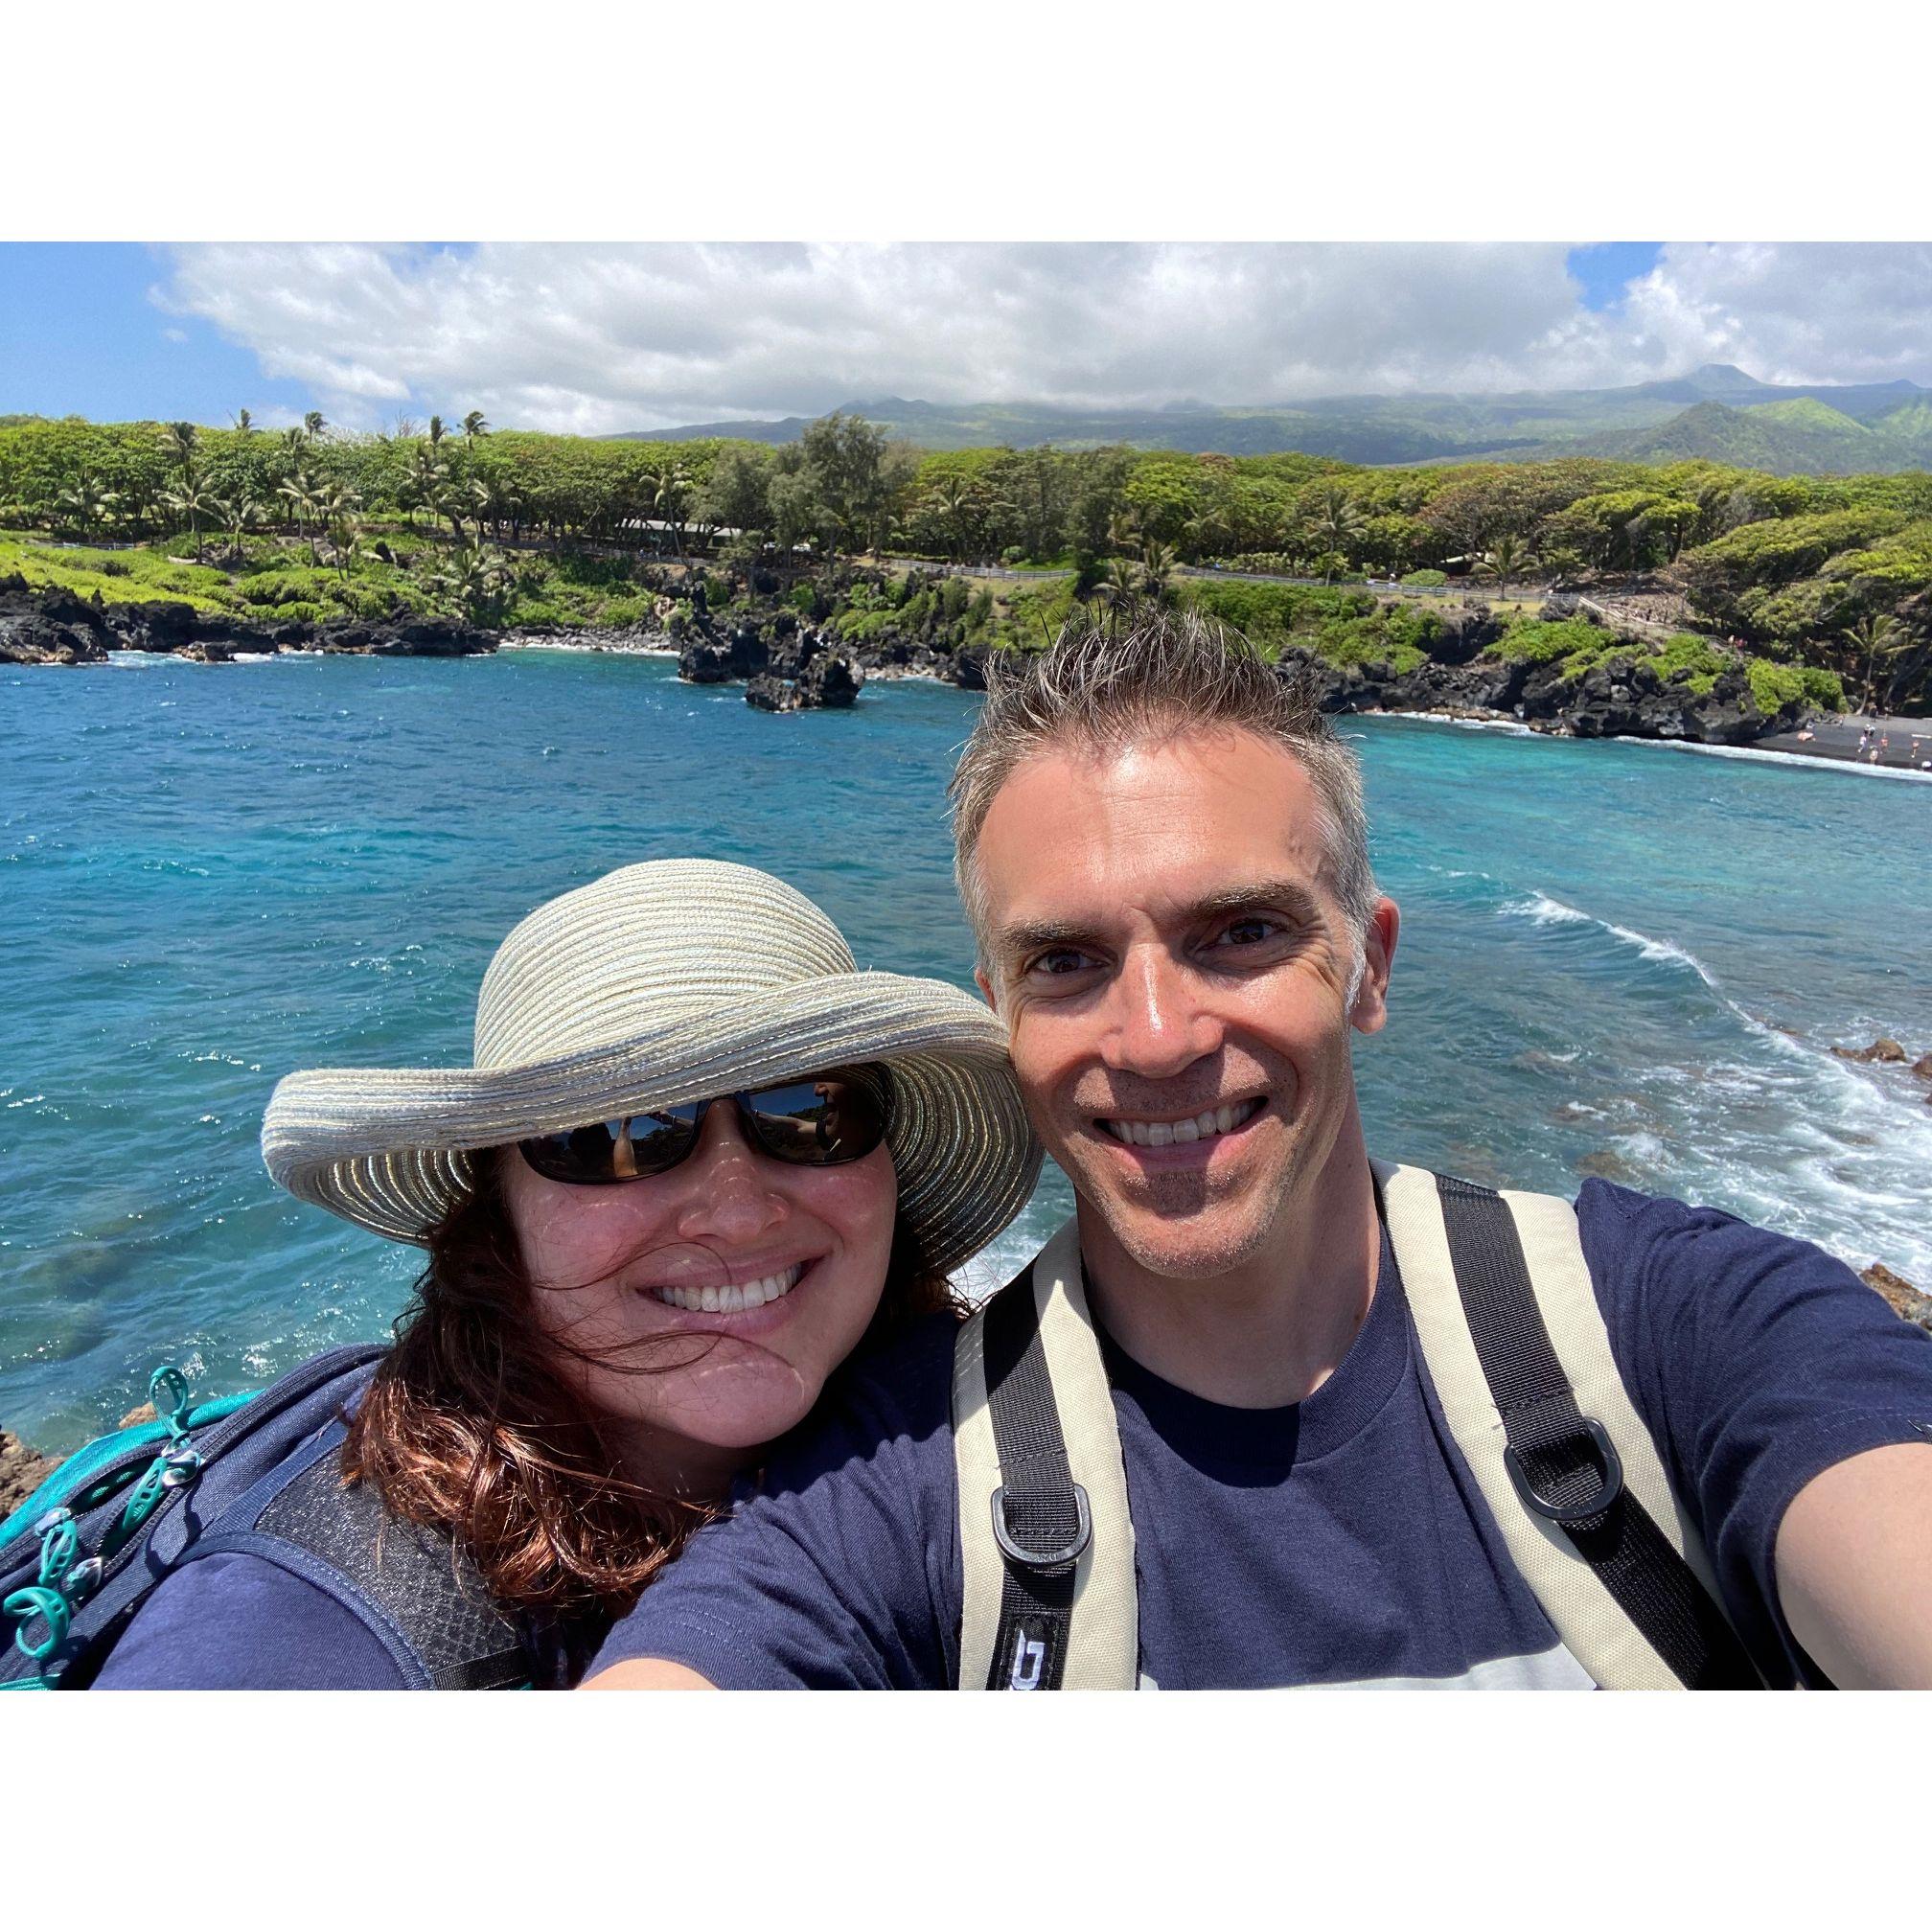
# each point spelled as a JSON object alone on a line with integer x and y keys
{"x": 592, "y": 337}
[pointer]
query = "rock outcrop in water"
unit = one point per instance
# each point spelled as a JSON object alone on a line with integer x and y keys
{"x": 828, "y": 681}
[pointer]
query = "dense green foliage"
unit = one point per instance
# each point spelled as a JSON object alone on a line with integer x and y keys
{"x": 1800, "y": 568}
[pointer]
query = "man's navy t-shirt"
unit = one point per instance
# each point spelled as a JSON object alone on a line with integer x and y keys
{"x": 1339, "y": 1542}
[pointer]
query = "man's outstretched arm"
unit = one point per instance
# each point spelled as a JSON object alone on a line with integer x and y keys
{"x": 1854, "y": 1569}
{"x": 647, "y": 1673}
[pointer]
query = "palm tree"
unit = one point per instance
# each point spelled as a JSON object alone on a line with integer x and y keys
{"x": 86, "y": 502}
{"x": 238, "y": 513}
{"x": 1506, "y": 556}
{"x": 668, "y": 490}
{"x": 314, "y": 423}
{"x": 427, "y": 476}
{"x": 477, "y": 582}
{"x": 189, "y": 500}
{"x": 956, "y": 502}
{"x": 475, "y": 424}
{"x": 182, "y": 437}
{"x": 1335, "y": 524}
{"x": 1877, "y": 640}
{"x": 338, "y": 505}
{"x": 436, "y": 432}
{"x": 305, "y": 500}
{"x": 244, "y": 423}
{"x": 1157, "y": 566}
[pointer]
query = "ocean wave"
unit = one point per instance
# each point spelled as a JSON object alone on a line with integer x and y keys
{"x": 1540, "y": 910}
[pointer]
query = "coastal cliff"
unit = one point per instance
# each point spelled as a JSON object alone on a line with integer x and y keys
{"x": 814, "y": 646}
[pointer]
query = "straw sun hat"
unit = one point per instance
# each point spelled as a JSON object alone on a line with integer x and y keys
{"x": 662, "y": 984}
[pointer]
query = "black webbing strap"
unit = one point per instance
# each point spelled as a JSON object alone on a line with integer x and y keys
{"x": 1563, "y": 1462}
{"x": 1039, "y": 1516}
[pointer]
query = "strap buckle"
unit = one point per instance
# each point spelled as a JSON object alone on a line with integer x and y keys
{"x": 1608, "y": 1490}
{"x": 1043, "y": 1559}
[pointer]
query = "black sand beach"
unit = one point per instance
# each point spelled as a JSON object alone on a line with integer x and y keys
{"x": 1906, "y": 744}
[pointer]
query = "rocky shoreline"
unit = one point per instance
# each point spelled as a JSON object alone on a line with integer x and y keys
{"x": 787, "y": 663}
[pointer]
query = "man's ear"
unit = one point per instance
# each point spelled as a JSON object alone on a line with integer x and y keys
{"x": 985, "y": 986}
{"x": 1379, "y": 955}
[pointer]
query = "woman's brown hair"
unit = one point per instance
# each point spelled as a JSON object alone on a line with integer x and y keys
{"x": 473, "y": 1426}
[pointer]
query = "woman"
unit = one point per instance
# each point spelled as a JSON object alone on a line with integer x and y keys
{"x": 699, "y": 1154}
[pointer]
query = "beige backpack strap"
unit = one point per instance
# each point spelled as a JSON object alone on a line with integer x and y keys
{"x": 1520, "y": 1359}
{"x": 1045, "y": 1538}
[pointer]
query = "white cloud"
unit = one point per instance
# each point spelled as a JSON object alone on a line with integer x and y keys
{"x": 602, "y": 337}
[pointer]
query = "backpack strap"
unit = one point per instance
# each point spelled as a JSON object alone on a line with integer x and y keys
{"x": 1046, "y": 1542}
{"x": 414, "y": 1589}
{"x": 1520, "y": 1358}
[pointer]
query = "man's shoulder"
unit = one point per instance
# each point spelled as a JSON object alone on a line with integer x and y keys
{"x": 1637, "y": 1243}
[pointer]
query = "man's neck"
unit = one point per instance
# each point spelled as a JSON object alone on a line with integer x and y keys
{"x": 1270, "y": 1331}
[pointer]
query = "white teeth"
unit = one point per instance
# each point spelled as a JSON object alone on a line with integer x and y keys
{"x": 1168, "y": 1133}
{"x": 731, "y": 1299}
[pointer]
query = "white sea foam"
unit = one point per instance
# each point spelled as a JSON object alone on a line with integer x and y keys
{"x": 1845, "y": 1164}
{"x": 1809, "y": 760}
{"x": 1540, "y": 910}
{"x": 1513, "y": 727}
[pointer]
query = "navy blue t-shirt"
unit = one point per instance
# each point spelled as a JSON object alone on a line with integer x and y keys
{"x": 1338, "y": 1542}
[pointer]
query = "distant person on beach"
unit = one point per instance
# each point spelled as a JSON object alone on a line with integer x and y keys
{"x": 698, "y": 1157}
{"x": 1266, "y": 1413}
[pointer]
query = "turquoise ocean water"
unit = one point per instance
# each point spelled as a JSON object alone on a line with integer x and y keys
{"x": 1614, "y": 958}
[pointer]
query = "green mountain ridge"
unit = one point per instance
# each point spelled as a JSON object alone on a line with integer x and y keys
{"x": 1796, "y": 426}
{"x": 1791, "y": 437}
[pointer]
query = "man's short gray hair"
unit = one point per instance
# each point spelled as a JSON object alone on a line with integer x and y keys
{"x": 1169, "y": 674}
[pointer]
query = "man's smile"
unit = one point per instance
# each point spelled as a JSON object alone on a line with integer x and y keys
{"x": 1183, "y": 1129}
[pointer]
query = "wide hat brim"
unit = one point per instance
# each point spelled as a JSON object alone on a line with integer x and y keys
{"x": 391, "y": 1149}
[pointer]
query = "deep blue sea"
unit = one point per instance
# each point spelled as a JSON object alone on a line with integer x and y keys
{"x": 1616, "y": 960}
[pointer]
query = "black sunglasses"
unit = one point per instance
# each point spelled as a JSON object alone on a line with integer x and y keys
{"x": 819, "y": 1122}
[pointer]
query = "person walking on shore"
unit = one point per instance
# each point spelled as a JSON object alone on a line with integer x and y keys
{"x": 1267, "y": 1412}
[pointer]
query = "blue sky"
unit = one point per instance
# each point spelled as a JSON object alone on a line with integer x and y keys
{"x": 81, "y": 335}
{"x": 597, "y": 337}
{"x": 1608, "y": 268}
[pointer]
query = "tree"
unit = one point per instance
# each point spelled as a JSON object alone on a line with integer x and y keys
{"x": 1876, "y": 641}
{"x": 436, "y": 432}
{"x": 476, "y": 582}
{"x": 182, "y": 438}
{"x": 851, "y": 476}
{"x": 1335, "y": 521}
{"x": 428, "y": 474}
{"x": 239, "y": 513}
{"x": 244, "y": 423}
{"x": 1506, "y": 559}
{"x": 313, "y": 424}
{"x": 737, "y": 494}
{"x": 305, "y": 502}
{"x": 189, "y": 499}
{"x": 475, "y": 424}
{"x": 86, "y": 502}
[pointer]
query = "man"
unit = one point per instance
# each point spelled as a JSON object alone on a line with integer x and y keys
{"x": 1163, "y": 851}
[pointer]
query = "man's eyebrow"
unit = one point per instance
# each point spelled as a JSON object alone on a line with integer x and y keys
{"x": 1030, "y": 935}
{"x": 1280, "y": 895}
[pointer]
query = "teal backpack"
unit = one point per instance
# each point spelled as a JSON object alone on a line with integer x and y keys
{"x": 256, "y": 1473}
